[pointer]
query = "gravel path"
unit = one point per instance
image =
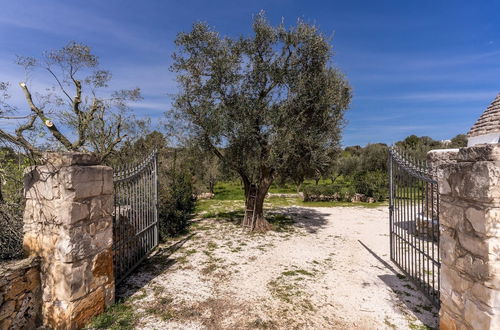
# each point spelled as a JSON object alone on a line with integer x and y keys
{"x": 329, "y": 270}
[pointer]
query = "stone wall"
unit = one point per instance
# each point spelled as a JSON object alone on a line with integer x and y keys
{"x": 68, "y": 223}
{"x": 470, "y": 239}
{"x": 20, "y": 294}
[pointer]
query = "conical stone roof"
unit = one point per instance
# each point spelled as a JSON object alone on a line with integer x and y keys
{"x": 489, "y": 122}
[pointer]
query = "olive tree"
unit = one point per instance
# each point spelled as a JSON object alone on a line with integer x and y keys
{"x": 255, "y": 101}
{"x": 77, "y": 113}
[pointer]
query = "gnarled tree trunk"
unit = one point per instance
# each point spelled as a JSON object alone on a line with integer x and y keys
{"x": 254, "y": 201}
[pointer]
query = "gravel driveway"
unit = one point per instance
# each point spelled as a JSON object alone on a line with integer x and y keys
{"x": 329, "y": 270}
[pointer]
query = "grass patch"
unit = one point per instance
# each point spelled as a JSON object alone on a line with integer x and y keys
{"x": 118, "y": 316}
{"x": 297, "y": 272}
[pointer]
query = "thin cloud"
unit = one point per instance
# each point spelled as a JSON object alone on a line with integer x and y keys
{"x": 437, "y": 96}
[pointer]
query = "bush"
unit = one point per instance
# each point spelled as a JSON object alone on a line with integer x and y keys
{"x": 11, "y": 231}
{"x": 328, "y": 193}
{"x": 372, "y": 184}
{"x": 176, "y": 203}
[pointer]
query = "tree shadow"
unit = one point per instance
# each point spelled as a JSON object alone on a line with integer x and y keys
{"x": 407, "y": 293}
{"x": 310, "y": 219}
{"x": 157, "y": 263}
{"x": 281, "y": 219}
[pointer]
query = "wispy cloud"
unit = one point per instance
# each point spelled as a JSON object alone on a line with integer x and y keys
{"x": 453, "y": 96}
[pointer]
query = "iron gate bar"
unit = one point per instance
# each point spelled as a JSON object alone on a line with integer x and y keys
{"x": 414, "y": 222}
{"x": 135, "y": 221}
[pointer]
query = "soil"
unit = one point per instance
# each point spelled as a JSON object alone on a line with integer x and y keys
{"x": 330, "y": 269}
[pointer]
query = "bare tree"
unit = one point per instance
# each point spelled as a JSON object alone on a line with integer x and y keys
{"x": 76, "y": 112}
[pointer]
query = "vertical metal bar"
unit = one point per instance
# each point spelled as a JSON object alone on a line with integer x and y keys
{"x": 391, "y": 206}
{"x": 157, "y": 232}
{"x": 438, "y": 252}
{"x": 432, "y": 241}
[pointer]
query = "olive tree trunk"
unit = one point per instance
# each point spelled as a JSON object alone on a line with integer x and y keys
{"x": 254, "y": 201}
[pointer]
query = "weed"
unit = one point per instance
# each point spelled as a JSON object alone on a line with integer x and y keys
{"x": 297, "y": 272}
{"x": 118, "y": 316}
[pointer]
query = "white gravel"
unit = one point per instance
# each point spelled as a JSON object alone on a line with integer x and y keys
{"x": 330, "y": 270}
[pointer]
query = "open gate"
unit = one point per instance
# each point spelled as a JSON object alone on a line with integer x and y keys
{"x": 135, "y": 220}
{"x": 414, "y": 221}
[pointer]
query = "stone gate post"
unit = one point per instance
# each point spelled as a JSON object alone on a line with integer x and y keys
{"x": 68, "y": 223}
{"x": 470, "y": 239}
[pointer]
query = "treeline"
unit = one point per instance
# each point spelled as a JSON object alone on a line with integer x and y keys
{"x": 363, "y": 170}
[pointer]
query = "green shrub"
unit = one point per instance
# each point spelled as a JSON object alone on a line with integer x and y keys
{"x": 331, "y": 192}
{"x": 176, "y": 204}
{"x": 372, "y": 184}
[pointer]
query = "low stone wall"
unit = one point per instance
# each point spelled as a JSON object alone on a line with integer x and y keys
{"x": 470, "y": 239}
{"x": 20, "y": 294}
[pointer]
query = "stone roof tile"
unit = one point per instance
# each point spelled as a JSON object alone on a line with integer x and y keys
{"x": 489, "y": 122}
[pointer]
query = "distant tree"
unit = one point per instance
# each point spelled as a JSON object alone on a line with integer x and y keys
{"x": 459, "y": 141}
{"x": 73, "y": 112}
{"x": 373, "y": 157}
{"x": 254, "y": 101}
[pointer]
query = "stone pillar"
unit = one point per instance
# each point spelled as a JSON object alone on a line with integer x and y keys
{"x": 68, "y": 223}
{"x": 426, "y": 225}
{"x": 470, "y": 239}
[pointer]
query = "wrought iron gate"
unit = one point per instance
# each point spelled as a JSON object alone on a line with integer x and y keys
{"x": 414, "y": 221}
{"x": 135, "y": 221}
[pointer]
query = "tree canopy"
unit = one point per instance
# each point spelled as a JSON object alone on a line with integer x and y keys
{"x": 262, "y": 103}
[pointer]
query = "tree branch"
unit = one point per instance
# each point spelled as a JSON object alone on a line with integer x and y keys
{"x": 48, "y": 123}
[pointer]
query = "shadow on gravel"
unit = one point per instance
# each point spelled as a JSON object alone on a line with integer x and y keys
{"x": 407, "y": 293}
{"x": 280, "y": 218}
{"x": 158, "y": 262}
{"x": 310, "y": 219}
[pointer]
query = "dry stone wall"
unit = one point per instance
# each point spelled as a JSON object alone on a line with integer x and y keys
{"x": 20, "y": 294}
{"x": 470, "y": 239}
{"x": 68, "y": 223}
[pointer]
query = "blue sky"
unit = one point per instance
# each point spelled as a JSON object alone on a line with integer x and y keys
{"x": 416, "y": 67}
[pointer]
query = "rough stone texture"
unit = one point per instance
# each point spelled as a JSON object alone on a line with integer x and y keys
{"x": 427, "y": 221}
{"x": 68, "y": 223}
{"x": 470, "y": 239}
{"x": 20, "y": 294}
{"x": 489, "y": 122}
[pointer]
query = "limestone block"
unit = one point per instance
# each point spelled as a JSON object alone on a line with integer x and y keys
{"x": 87, "y": 189}
{"x": 7, "y": 309}
{"x": 79, "y": 243}
{"x": 481, "y": 152}
{"x": 448, "y": 247}
{"x": 452, "y": 281}
{"x": 477, "y": 318}
{"x": 450, "y": 214}
{"x": 107, "y": 187}
{"x": 473, "y": 244}
{"x": 478, "y": 181}
{"x": 446, "y": 300}
{"x": 78, "y": 174}
{"x": 71, "y": 212}
{"x": 101, "y": 207}
{"x": 87, "y": 307}
{"x": 475, "y": 268}
{"x": 58, "y": 159}
{"x": 485, "y": 295}
{"x": 484, "y": 221}
{"x": 41, "y": 184}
